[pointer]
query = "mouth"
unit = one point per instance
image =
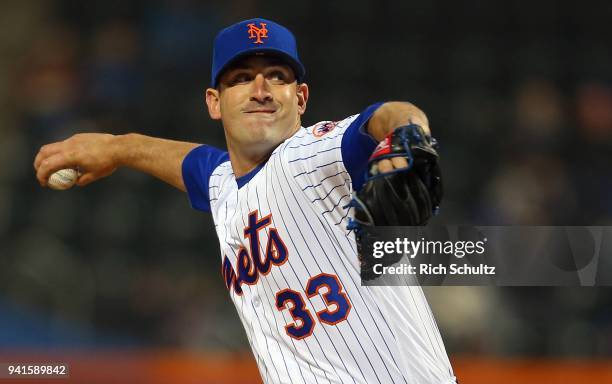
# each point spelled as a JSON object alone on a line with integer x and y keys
{"x": 265, "y": 111}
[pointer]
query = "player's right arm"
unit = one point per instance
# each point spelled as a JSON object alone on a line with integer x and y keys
{"x": 98, "y": 155}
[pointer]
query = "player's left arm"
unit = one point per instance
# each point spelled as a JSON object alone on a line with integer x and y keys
{"x": 389, "y": 116}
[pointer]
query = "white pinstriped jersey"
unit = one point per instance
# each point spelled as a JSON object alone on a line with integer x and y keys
{"x": 292, "y": 271}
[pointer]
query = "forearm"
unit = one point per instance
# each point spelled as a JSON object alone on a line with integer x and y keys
{"x": 160, "y": 158}
{"x": 395, "y": 114}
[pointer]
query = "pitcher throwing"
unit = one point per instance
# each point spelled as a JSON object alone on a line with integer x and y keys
{"x": 279, "y": 199}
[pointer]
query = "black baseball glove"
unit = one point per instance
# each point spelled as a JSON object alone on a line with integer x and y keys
{"x": 403, "y": 197}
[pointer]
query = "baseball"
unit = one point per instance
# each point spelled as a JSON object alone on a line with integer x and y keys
{"x": 63, "y": 179}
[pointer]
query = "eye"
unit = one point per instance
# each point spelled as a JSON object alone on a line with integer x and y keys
{"x": 278, "y": 76}
{"x": 240, "y": 78}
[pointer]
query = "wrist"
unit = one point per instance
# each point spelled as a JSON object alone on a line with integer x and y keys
{"x": 119, "y": 145}
{"x": 393, "y": 115}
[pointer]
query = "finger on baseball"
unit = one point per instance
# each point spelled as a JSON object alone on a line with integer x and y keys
{"x": 85, "y": 179}
{"x": 49, "y": 165}
{"x": 44, "y": 152}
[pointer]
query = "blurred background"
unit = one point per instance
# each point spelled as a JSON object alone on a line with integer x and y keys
{"x": 518, "y": 93}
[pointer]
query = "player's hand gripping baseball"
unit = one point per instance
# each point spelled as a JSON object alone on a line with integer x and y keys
{"x": 92, "y": 153}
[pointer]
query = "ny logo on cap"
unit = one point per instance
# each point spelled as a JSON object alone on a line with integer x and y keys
{"x": 258, "y": 33}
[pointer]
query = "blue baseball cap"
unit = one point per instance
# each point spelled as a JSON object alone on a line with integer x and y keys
{"x": 254, "y": 36}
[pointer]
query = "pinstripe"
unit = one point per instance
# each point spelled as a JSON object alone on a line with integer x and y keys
{"x": 311, "y": 156}
{"x": 249, "y": 328}
{"x": 306, "y": 173}
{"x": 337, "y": 204}
{"x": 310, "y": 366}
{"x": 343, "y": 217}
{"x": 313, "y": 142}
{"x": 314, "y": 258}
{"x": 238, "y": 236}
{"x": 374, "y": 320}
{"x": 331, "y": 190}
{"x": 321, "y": 183}
{"x": 280, "y": 215}
{"x": 361, "y": 347}
{"x": 421, "y": 318}
{"x": 272, "y": 295}
{"x": 348, "y": 272}
{"x": 373, "y": 300}
{"x": 439, "y": 339}
{"x": 303, "y": 158}
{"x": 249, "y": 337}
{"x": 268, "y": 283}
{"x": 325, "y": 165}
{"x": 433, "y": 324}
{"x": 357, "y": 289}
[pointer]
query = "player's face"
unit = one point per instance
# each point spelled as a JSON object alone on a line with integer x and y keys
{"x": 259, "y": 103}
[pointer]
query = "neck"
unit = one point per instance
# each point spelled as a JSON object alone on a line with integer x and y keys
{"x": 243, "y": 164}
{"x": 244, "y": 160}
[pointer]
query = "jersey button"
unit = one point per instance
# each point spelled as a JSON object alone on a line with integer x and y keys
{"x": 256, "y": 301}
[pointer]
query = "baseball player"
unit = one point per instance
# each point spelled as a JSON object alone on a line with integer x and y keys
{"x": 279, "y": 197}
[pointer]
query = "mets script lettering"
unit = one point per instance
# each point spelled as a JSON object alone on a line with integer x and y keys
{"x": 249, "y": 263}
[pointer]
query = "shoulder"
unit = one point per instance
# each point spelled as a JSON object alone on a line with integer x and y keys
{"x": 326, "y": 128}
{"x": 322, "y": 133}
{"x": 198, "y": 169}
{"x": 314, "y": 152}
{"x": 220, "y": 183}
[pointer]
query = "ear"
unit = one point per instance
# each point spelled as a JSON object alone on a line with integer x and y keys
{"x": 213, "y": 103}
{"x": 302, "y": 95}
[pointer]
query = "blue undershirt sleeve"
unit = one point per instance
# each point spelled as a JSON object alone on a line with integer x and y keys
{"x": 357, "y": 146}
{"x": 197, "y": 167}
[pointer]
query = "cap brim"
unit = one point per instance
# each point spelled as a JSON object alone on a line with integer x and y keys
{"x": 297, "y": 67}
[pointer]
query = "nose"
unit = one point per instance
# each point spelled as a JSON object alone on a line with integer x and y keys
{"x": 261, "y": 90}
